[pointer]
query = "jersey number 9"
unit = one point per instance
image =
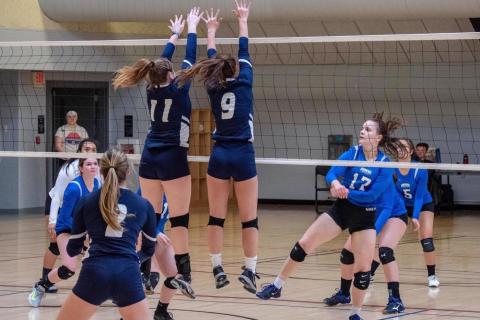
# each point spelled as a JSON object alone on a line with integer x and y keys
{"x": 228, "y": 106}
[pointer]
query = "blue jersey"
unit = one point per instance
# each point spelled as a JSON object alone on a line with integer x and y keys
{"x": 169, "y": 106}
{"x": 390, "y": 204}
{"x": 414, "y": 188}
{"x": 76, "y": 189}
{"x": 135, "y": 214}
{"x": 232, "y": 105}
{"x": 365, "y": 184}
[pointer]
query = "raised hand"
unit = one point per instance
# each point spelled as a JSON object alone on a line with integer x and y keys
{"x": 242, "y": 10}
{"x": 193, "y": 18}
{"x": 212, "y": 21}
{"x": 177, "y": 25}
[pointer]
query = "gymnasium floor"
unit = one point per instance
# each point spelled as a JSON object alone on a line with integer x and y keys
{"x": 23, "y": 241}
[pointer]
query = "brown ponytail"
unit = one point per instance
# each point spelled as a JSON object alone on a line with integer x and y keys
{"x": 114, "y": 169}
{"x": 155, "y": 72}
{"x": 212, "y": 71}
{"x": 386, "y": 129}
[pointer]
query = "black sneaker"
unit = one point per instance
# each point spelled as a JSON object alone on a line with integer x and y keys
{"x": 154, "y": 279}
{"x": 336, "y": 298}
{"x": 247, "y": 278}
{"x": 220, "y": 277}
{"x": 147, "y": 286}
{"x": 160, "y": 315}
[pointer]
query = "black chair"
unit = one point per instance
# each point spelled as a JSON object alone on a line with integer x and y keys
{"x": 320, "y": 171}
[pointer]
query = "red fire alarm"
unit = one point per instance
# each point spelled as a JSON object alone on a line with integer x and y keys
{"x": 38, "y": 78}
{"x": 37, "y": 139}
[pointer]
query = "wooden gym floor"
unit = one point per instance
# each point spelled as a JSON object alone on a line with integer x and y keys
{"x": 23, "y": 241}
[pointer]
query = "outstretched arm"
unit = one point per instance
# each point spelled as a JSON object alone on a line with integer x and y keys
{"x": 242, "y": 12}
{"x": 193, "y": 19}
{"x": 213, "y": 23}
{"x": 176, "y": 26}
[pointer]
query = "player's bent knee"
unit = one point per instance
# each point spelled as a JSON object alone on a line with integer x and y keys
{"x": 250, "y": 224}
{"x": 361, "y": 280}
{"x": 298, "y": 254}
{"x": 386, "y": 255}
{"x": 214, "y": 221}
{"x": 53, "y": 248}
{"x": 180, "y": 221}
{"x": 65, "y": 273}
{"x": 347, "y": 257}
{"x": 427, "y": 245}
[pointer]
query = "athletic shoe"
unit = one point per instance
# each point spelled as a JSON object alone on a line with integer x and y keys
{"x": 433, "y": 281}
{"x": 51, "y": 289}
{"x": 147, "y": 286}
{"x": 394, "y": 305}
{"x": 36, "y": 296}
{"x": 154, "y": 279}
{"x": 184, "y": 287}
{"x": 336, "y": 298}
{"x": 269, "y": 291}
{"x": 220, "y": 277}
{"x": 159, "y": 315}
{"x": 355, "y": 317}
{"x": 247, "y": 278}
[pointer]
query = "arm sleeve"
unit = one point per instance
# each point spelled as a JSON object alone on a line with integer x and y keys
{"x": 168, "y": 51}
{"x": 378, "y": 187}
{"x": 79, "y": 231}
{"x": 149, "y": 235}
{"x": 57, "y": 194}
{"x": 422, "y": 185}
{"x": 211, "y": 53}
{"x": 190, "y": 51}
{"x": 338, "y": 171}
{"x": 246, "y": 68}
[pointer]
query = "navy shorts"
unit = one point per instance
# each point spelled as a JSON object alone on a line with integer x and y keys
{"x": 164, "y": 164}
{"x": 110, "y": 277}
{"x": 355, "y": 218}
{"x": 425, "y": 207}
{"x": 403, "y": 217}
{"x": 232, "y": 160}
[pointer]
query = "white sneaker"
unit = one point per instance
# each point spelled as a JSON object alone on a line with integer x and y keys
{"x": 433, "y": 281}
{"x": 35, "y": 297}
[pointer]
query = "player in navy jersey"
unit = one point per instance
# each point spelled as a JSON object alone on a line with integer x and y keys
{"x": 413, "y": 185}
{"x": 390, "y": 224}
{"x": 113, "y": 217}
{"x": 164, "y": 166}
{"x": 233, "y": 155}
{"x": 76, "y": 189}
{"x": 355, "y": 209}
{"x": 65, "y": 175}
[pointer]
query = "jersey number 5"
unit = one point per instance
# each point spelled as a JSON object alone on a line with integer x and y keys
{"x": 228, "y": 106}
{"x": 166, "y": 110}
{"x": 112, "y": 233}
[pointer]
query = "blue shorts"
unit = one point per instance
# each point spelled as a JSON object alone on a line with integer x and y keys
{"x": 164, "y": 164}
{"x": 110, "y": 277}
{"x": 232, "y": 160}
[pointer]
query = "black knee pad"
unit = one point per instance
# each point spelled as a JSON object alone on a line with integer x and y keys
{"x": 346, "y": 257}
{"x": 250, "y": 224}
{"x": 183, "y": 263}
{"x": 297, "y": 254}
{"x": 64, "y": 273}
{"x": 180, "y": 221}
{"x": 168, "y": 283}
{"x": 386, "y": 255}
{"x": 214, "y": 221}
{"x": 361, "y": 280}
{"x": 427, "y": 245}
{"x": 53, "y": 247}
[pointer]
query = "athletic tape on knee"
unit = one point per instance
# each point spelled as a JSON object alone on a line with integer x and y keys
{"x": 64, "y": 273}
{"x": 180, "y": 221}
{"x": 214, "y": 221}
{"x": 427, "y": 245}
{"x": 386, "y": 255}
{"x": 53, "y": 248}
{"x": 297, "y": 254}
{"x": 361, "y": 280}
{"x": 168, "y": 283}
{"x": 346, "y": 257}
{"x": 250, "y": 224}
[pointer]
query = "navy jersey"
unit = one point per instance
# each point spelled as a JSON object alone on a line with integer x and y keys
{"x": 232, "y": 105}
{"x": 390, "y": 204}
{"x": 169, "y": 106}
{"x": 136, "y": 214}
{"x": 365, "y": 184}
{"x": 76, "y": 189}
{"x": 414, "y": 188}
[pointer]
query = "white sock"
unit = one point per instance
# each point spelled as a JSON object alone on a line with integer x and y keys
{"x": 278, "y": 283}
{"x": 355, "y": 311}
{"x": 216, "y": 259}
{"x": 251, "y": 263}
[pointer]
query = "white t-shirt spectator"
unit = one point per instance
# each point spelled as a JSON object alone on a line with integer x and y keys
{"x": 71, "y": 136}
